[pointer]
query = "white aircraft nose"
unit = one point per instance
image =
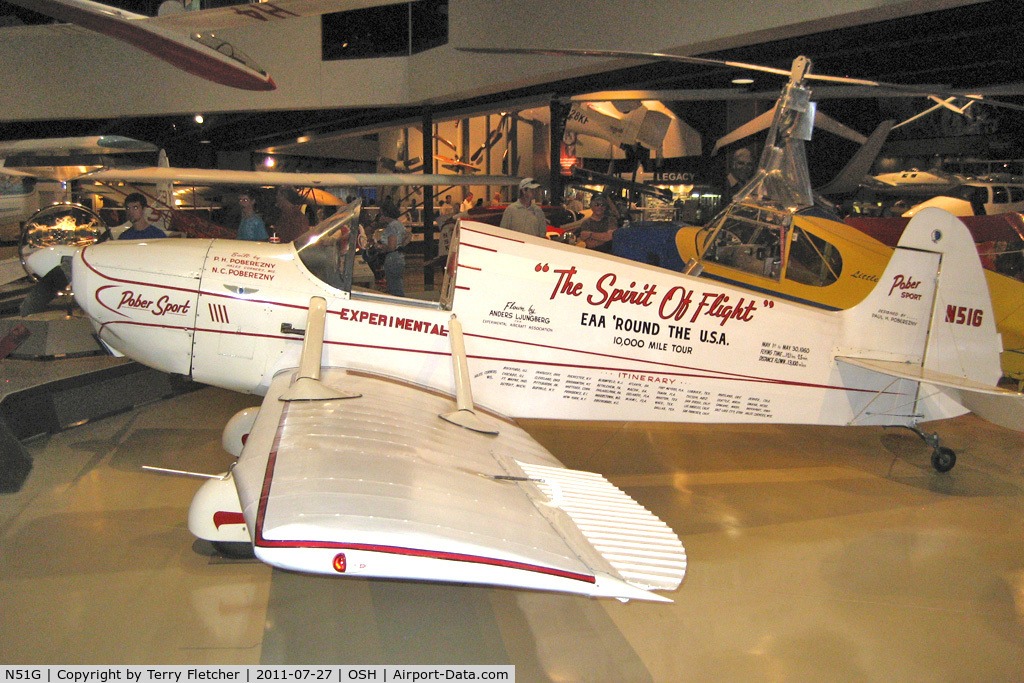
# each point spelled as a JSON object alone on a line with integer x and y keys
{"x": 141, "y": 297}
{"x": 41, "y": 262}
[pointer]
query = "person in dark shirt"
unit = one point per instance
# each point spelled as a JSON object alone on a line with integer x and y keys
{"x": 141, "y": 229}
{"x": 292, "y": 222}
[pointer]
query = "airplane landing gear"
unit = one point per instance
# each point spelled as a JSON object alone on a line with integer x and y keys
{"x": 943, "y": 457}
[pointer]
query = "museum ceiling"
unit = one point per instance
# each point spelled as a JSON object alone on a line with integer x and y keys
{"x": 971, "y": 46}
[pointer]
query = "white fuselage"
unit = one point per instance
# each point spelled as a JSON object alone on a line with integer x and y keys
{"x": 550, "y": 331}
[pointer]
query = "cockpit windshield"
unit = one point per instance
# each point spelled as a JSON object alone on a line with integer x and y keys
{"x": 747, "y": 237}
{"x": 328, "y": 249}
{"x": 215, "y": 42}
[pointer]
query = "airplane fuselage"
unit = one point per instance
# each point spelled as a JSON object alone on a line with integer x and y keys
{"x": 551, "y": 331}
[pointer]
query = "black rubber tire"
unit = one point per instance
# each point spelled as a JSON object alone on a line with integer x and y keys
{"x": 943, "y": 459}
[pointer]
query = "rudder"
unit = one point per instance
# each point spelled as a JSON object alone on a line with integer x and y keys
{"x": 931, "y": 307}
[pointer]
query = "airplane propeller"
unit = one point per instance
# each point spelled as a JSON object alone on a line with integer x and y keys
{"x": 43, "y": 292}
{"x": 939, "y": 104}
{"x": 453, "y": 164}
{"x": 39, "y": 248}
{"x": 400, "y": 165}
{"x": 493, "y": 137}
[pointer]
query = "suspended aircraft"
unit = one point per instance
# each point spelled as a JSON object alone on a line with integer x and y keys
{"x": 958, "y": 194}
{"x": 26, "y": 164}
{"x": 642, "y": 125}
{"x": 202, "y": 53}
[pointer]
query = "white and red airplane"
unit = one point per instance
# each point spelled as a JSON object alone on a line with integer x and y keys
{"x": 200, "y": 53}
{"x": 194, "y": 41}
{"x": 386, "y": 444}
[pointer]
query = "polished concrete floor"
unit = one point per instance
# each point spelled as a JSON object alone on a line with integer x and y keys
{"x": 816, "y": 554}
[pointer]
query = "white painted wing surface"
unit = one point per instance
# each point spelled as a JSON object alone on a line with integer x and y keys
{"x": 381, "y": 486}
{"x": 213, "y": 176}
{"x": 641, "y": 548}
{"x": 256, "y": 14}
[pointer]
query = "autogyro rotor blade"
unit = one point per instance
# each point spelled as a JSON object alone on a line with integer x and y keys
{"x": 705, "y": 61}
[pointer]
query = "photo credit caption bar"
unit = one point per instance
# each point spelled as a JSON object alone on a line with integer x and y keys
{"x": 253, "y": 674}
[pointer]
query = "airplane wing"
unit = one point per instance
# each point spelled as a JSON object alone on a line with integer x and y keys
{"x": 380, "y": 486}
{"x": 914, "y": 182}
{"x": 999, "y": 406}
{"x": 64, "y": 158}
{"x": 206, "y": 176}
{"x": 200, "y": 53}
{"x": 260, "y": 13}
{"x": 91, "y": 144}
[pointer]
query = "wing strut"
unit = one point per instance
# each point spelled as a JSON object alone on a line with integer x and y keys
{"x": 464, "y": 415}
{"x": 307, "y": 385}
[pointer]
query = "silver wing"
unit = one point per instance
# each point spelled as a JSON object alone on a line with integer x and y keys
{"x": 211, "y": 176}
{"x": 380, "y": 486}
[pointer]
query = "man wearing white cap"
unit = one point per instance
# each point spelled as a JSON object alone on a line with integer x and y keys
{"x": 523, "y": 215}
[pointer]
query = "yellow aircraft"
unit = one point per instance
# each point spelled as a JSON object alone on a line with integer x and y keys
{"x": 776, "y": 238}
{"x": 819, "y": 260}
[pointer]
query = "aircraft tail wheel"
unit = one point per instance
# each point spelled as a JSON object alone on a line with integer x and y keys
{"x": 943, "y": 459}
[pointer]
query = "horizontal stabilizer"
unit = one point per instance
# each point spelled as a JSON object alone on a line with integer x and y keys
{"x": 999, "y": 406}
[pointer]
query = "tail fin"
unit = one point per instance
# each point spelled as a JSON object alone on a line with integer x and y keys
{"x": 963, "y": 340}
{"x": 159, "y": 213}
{"x": 930, "y": 320}
{"x": 853, "y": 174}
{"x": 650, "y": 126}
{"x": 892, "y": 322}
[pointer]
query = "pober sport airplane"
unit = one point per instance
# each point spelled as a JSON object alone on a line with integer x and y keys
{"x": 385, "y": 445}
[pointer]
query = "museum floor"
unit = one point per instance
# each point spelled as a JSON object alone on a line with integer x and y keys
{"x": 815, "y": 554}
